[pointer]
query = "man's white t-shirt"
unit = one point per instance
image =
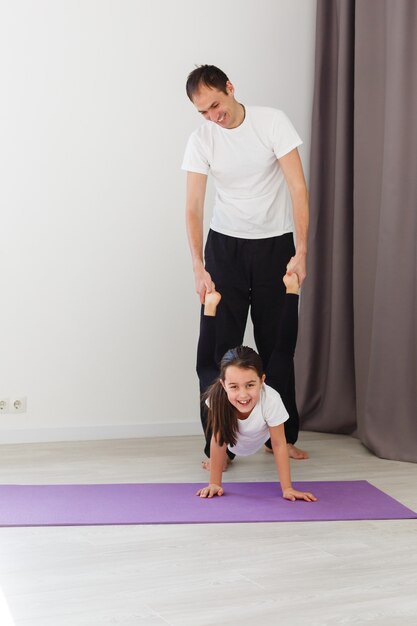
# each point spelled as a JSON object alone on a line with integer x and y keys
{"x": 254, "y": 430}
{"x": 252, "y": 199}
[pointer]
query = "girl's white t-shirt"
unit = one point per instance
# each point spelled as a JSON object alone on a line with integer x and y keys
{"x": 252, "y": 198}
{"x": 254, "y": 430}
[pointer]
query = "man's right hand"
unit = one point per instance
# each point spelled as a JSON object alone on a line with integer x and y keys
{"x": 203, "y": 283}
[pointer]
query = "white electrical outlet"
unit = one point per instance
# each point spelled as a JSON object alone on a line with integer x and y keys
{"x": 4, "y": 405}
{"x": 18, "y": 405}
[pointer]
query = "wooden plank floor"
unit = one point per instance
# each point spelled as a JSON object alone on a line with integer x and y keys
{"x": 314, "y": 574}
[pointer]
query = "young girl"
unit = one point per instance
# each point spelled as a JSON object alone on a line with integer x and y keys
{"x": 244, "y": 412}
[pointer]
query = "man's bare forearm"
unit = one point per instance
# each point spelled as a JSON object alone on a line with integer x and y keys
{"x": 299, "y": 199}
{"x": 195, "y": 237}
{"x": 293, "y": 171}
{"x": 196, "y": 191}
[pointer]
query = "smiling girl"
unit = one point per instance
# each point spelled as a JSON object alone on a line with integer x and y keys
{"x": 244, "y": 412}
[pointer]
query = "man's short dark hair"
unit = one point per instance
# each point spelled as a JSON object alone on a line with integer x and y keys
{"x": 208, "y": 75}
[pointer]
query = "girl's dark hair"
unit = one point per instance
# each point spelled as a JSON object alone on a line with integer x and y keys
{"x": 208, "y": 75}
{"x": 223, "y": 420}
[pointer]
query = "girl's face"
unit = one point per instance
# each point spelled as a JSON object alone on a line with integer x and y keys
{"x": 243, "y": 387}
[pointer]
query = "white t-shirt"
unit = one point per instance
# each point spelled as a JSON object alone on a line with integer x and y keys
{"x": 254, "y": 430}
{"x": 252, "y": 199}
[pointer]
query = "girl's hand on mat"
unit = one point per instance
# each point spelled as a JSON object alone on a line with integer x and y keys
{"x": 293, "y": 494}
{"x": 210, "y": 491}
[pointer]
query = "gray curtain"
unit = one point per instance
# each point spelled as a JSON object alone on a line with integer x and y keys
{"x": 356, "y": 361}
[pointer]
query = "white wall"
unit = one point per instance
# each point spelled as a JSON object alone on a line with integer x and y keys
{"x": 98, "y": 316}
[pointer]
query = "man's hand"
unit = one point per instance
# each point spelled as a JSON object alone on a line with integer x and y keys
{"x": 210, "y": 491}
{"x": 203, "y": 283}
{"x": 293, "y": 494}
{"x": 297, "y": 265}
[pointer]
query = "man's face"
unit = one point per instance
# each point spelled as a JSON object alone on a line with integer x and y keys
{"x": 218, "y": 107}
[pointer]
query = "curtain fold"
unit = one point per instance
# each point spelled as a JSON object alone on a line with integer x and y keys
{"x": 385, "y": 231}
{"x": 357, "y": 354}
{"x": 324, "y": 358}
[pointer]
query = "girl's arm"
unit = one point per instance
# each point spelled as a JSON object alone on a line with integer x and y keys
{"x": 217, "y": 462}
{"x": 279, "y": 447}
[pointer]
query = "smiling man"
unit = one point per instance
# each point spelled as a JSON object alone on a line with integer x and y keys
{"x": 261, "y": 204}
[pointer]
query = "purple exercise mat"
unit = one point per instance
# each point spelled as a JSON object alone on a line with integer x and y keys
{"x": 176, "y": 503}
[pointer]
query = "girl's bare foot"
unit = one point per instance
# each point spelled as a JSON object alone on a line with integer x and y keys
{"x": 211, "y": 301}
{"x": 296, "y": 453}
{"x": 293, "y": 452}
{"x": 206, "y": 464}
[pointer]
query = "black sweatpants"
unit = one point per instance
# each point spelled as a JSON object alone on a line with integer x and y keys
{"x": 248, "y": 274}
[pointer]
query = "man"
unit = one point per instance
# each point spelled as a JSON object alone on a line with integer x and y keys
{"x": 252, "y": 155}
